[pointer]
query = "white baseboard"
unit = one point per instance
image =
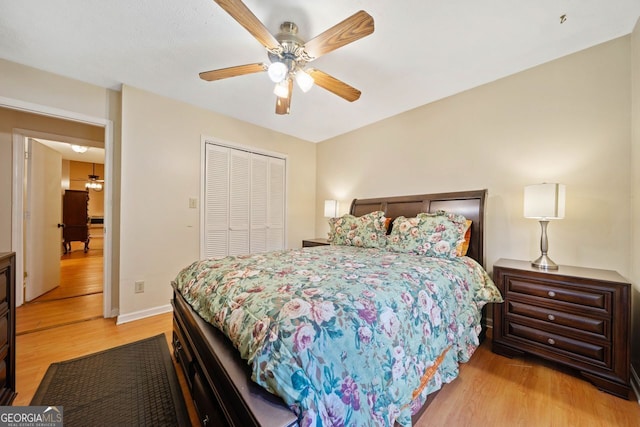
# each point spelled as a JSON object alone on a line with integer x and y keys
{"x": 137, "y": 315}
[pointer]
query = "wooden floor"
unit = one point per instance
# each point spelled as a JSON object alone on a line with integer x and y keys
{"x": 78, "y": 298}
{"x": 491, "y": 390}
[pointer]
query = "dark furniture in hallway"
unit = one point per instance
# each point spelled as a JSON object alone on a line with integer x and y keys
{"x": 75, "y": 217}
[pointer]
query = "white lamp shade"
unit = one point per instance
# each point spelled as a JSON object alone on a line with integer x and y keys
{"x": 304, "y": 80}
{"x": 277, "y": 71}
{"x": 282, "y": 89}
{"x": 545, "y": 201}
{"x": 330, "y": 208}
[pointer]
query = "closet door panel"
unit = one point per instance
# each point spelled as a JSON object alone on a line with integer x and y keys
{"x": 259, "y": 198}
{"x": 216, "y": 244}
{"x": 216, "y": 215}
{"x": 276, "y": 204}
{"x": 244, "y": 206}
{"x": 239, "y": 178}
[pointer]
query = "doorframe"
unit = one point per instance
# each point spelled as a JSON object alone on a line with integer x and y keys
{"x": 17, "y": 198}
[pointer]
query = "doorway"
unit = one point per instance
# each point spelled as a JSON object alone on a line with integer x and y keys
{"x": 73, "y": 288}
{"x": 40, "y": 121}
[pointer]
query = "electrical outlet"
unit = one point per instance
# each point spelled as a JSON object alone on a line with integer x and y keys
{"x": 139, "y": 286}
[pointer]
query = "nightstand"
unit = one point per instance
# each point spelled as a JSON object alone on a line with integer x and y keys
{"x": 577, "y": 317}
{"x": 307, "y": 243}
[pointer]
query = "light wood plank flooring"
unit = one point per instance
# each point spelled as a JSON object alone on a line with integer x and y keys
{"x": 79, "y": 296}
{"x": 491, "y": 390}
{"x": 35, "y": 351}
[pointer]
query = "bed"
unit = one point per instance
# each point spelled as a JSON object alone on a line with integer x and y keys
{"x": 358, "y": 373}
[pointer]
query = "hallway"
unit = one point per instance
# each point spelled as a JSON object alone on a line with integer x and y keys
{"x": 77, "y": 299}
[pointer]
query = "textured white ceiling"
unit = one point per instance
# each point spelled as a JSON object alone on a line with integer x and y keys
{"x": 421, "y": 50}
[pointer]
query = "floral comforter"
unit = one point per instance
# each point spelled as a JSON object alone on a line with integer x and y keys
{"x": 343, "y": 334}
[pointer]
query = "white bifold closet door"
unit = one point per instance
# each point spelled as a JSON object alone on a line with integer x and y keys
{"x": 244, "y": 202}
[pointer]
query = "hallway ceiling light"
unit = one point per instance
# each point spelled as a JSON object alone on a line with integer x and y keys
{"x": 79, "y": 148}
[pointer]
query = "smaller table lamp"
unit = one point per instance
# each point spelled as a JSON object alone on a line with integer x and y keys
{"x": 330, "y": 208}
{"x": 544, "y": 202}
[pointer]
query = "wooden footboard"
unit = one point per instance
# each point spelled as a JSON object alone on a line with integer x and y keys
{"x": 219, "y": 380}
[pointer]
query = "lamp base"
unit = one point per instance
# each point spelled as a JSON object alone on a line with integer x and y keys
{"x": 544, "y": 263}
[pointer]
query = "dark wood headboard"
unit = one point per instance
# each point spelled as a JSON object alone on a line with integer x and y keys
{"x": 470, "y": 204}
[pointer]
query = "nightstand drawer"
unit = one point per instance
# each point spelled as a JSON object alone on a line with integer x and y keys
{"x": 596, "y": 353}
{"x": 598, "y": 327}
{"x": 554, "y": 292}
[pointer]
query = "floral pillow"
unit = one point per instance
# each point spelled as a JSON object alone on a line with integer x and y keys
{"x": 432, "y": 234}
{"x": 367, "y": 231}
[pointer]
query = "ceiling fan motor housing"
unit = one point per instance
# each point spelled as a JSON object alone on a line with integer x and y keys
{"x": 291, "y": 50}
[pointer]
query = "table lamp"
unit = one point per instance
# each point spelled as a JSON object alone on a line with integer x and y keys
{"x": 330, "y": 208}
{"x": 544, "y": 202}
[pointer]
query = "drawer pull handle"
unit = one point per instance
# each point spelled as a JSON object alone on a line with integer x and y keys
{"x": 551, "y": 317}
{"x": 551, "y": 341}
{"x": 551, "y": 294}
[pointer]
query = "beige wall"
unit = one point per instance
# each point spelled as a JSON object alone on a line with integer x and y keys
{"x": 40, "y": 87}
{"x": 565, "y": 121}
{"x": 635, "y": 193}
{"x": 159, "y": 233}
{"x": 61, "y": 97}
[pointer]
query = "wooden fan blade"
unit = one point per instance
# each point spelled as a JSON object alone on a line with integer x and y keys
{"x": 241, "y": 13}
{"x": 334, "y": 85}
{"x": 353, "y": 28}
{"x": 238, "y": 70}
{"x": 283, "y": 105}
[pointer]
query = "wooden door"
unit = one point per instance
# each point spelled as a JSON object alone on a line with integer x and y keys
{"x": 43, "y": 237}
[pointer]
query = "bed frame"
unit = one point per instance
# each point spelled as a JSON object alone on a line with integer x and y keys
{"x": 219, "y": 380}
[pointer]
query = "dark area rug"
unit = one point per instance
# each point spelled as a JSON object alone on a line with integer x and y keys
{"x": 131, "y": 385}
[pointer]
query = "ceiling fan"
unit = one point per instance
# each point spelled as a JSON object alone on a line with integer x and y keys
{"x": 288, "y": 54}
{"x": 94, "y": 182}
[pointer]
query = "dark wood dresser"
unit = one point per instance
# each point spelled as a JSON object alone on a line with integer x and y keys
{"x": 7, "y": 329}
{"x": 75, "y": 217}
{"x": 577, "y": 317}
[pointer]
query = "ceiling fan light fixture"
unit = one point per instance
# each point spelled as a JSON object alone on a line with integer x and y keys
{"x": 277, "y": 71}
{"x": 93, "y": 184}
{"x": 288, "y": 54}
{"x": 282, "y": 89}
{"x": 304, "y": 80}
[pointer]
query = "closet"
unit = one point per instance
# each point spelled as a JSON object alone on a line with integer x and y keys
{"x": 244, "y": 202}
